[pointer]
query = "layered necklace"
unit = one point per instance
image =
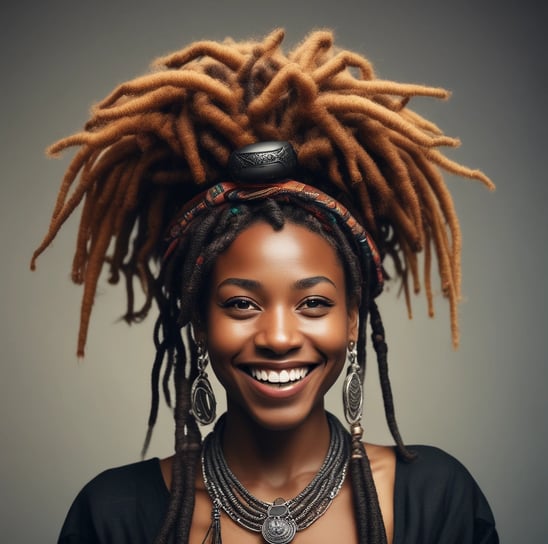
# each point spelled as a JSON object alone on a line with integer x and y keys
{"x": 278, "y": 521}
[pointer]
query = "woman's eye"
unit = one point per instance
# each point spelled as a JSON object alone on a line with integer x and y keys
{"x": 314, "y": 303}
{"x": 239, "y": 304}
{"x": 315, "y": 306}
{"x": 242, "y": 304}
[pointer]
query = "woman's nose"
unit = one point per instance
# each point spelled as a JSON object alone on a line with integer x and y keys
{"x": 278, "y": 331}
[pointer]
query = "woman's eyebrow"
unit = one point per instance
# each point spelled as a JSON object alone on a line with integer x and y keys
{"x": 306, "y": 283}
{"x": 252, "y": 285}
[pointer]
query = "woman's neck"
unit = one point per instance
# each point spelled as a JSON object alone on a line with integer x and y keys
{"x": 284, "y": 460}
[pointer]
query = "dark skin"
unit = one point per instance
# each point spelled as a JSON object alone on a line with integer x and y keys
{"x": 278, "y": 311}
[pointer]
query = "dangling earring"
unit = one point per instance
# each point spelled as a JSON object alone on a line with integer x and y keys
{"x": 202, "y": 398}
{"x": 353, "y": 399}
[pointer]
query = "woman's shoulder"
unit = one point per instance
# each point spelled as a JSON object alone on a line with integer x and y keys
{"x": 435, "y": 466}
{"x": 124, "y": 478}
{"x": 128, "y": 500}
{"x": 433, "y": 456}
{"x": 437, "y": 499}
{"x": 131, "y": 482}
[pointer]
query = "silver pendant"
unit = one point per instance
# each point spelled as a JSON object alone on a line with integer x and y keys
{"x": 202, "y": 400}
{"x": 352, "y": 397}
{"x": 279, "y": 527}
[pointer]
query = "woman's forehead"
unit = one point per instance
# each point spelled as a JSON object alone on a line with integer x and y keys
{"x": 293, "y": 250}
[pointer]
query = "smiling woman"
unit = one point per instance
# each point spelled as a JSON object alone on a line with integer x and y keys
{"x": 278, "y": 305}
{"x": 256, "y": 196}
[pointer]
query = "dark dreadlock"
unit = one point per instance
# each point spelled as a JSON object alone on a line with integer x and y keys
{"x": 158, "y": 140}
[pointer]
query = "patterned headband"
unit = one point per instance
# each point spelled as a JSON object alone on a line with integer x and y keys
{"x": 295, "y": 192}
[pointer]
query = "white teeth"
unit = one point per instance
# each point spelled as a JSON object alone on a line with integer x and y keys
{"x": 284, "y": 376}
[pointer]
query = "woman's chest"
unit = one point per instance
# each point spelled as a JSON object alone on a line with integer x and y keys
{"x": 337, "y": 524}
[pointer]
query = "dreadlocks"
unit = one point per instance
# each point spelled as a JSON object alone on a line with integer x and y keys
{"x": 158, "y": 140}
{"x": 153, "y": 140}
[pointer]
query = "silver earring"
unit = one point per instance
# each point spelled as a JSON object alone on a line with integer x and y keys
{"x": 352, "y": 388}
{"x": 353, "y": 401}
{"x": 202, "y": 398}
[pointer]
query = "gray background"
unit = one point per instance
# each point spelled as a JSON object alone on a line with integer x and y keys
{"x": 63, "y": 420}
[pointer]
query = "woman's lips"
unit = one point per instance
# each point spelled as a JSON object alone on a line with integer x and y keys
{"x": 281, "y": 377}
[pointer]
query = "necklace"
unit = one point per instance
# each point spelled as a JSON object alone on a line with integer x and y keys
{"x": 278, "y": 521}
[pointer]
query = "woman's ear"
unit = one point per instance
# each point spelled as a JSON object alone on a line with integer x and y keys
{"x": 352, "y": 323}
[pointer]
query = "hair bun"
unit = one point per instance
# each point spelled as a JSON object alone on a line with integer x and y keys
{"x": 271, "y": 161}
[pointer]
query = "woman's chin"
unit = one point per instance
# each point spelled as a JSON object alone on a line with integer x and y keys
{"x": 278, "y": 418}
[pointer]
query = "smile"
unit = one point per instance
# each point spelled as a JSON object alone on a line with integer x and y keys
{"x": 279, "y": 377}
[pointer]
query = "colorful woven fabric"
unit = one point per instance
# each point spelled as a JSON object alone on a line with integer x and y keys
{"x": 300, "y": 194}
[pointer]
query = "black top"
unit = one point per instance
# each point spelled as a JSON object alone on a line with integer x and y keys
{"x": 436, "y": 501}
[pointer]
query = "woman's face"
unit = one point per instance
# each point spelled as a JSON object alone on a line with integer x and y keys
{"x": 278, "y": 323}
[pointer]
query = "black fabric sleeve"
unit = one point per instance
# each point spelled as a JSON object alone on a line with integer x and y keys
{"x": 437, "y": 501}
{"x": 125, "y": 505}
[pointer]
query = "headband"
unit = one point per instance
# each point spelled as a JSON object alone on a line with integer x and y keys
{"x": 284, "y": 190}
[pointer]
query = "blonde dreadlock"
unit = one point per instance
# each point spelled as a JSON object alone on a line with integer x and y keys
{"x": 153, "y": 140}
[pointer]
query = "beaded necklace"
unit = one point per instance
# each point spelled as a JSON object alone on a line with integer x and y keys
{"x": 278, "y": 521}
